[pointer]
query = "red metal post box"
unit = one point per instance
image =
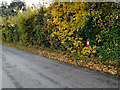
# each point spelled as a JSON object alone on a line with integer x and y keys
{"x": 87, "y": 42}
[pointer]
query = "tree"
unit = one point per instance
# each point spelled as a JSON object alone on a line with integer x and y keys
{"x": 3, "y": 8}
{"x": 12, "y": 9}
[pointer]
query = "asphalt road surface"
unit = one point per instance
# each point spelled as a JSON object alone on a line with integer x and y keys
{"x": 21, "y": 69}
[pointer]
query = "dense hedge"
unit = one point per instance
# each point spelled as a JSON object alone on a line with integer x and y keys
{"x": 65, "y": 26}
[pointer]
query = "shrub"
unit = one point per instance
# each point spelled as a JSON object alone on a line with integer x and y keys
{"x": 65, "y": 26}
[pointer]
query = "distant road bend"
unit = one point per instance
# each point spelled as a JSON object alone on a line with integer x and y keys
{"x": 21, "y": 69}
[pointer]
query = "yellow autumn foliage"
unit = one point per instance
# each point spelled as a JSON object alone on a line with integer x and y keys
{"x": 88, "y": 50}
{"x": 68, "y": 18}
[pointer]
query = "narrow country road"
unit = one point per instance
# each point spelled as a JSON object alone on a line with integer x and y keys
{"x": 21, "y": 69}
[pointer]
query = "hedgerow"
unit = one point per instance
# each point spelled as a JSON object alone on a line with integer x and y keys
{"x": 65, "y": 26}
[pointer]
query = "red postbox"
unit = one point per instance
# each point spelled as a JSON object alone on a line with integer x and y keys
{"x": 87, "y": 42}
